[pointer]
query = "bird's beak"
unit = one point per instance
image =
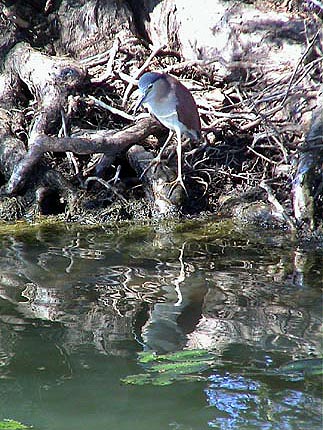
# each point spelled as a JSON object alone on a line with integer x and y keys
{"x": 139, "y": 102}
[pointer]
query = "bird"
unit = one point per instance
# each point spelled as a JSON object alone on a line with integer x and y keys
{"x": 173, "y": 105}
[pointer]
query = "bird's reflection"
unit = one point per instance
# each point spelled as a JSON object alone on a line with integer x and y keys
{"x": 165, "y": 329}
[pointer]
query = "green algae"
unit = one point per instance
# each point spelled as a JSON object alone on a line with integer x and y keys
{"x": 8, "y": 424}
{"x": 165, "y": 369}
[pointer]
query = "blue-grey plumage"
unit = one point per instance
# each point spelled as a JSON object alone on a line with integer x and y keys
{"x": 173, "y": 105}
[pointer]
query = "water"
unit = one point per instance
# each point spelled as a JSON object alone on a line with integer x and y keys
{"x": 77, "y": 305}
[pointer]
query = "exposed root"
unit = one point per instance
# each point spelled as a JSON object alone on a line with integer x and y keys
{"x": 255, "y": 121}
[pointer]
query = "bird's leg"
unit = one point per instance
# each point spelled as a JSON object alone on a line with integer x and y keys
{"x": 157, "y": 159}
{"x": 179, "y": 160}
{"x": 179, "y": 179}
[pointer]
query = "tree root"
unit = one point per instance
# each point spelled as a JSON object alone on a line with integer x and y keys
{"x": 102, "y": 141}
{"x": 51, "y": 80}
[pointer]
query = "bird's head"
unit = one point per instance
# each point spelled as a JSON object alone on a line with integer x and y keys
{"x": 146, "y": 87}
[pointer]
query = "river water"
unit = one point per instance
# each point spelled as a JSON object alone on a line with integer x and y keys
{"x": 77, "y": 305}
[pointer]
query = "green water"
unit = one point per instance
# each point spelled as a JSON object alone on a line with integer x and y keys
{"x": 77, "y": 305}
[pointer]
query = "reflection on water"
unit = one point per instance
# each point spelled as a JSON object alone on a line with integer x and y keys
{"x": 246, "y": 404}
{"x": 77, "y": 304}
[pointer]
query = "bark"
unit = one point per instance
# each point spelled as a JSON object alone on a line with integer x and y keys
{"x": 308, "y": 180}
{"x": 87, "y": 28}
{"x": 12, "y": 150}
{"x": 49, "y": 79}
{"x": 225, "y": 34}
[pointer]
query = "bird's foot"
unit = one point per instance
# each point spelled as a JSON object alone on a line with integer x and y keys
{"x": 175, "y": 184}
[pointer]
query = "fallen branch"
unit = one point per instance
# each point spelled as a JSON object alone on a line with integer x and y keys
{"x": 104, "y": 141}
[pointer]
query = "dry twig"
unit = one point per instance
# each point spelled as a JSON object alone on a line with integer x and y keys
{"x": 139, "y": 72}
{"x": 113, "y": 110}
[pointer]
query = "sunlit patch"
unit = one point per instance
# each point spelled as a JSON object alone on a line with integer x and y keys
{"x": 242, "y": 403}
